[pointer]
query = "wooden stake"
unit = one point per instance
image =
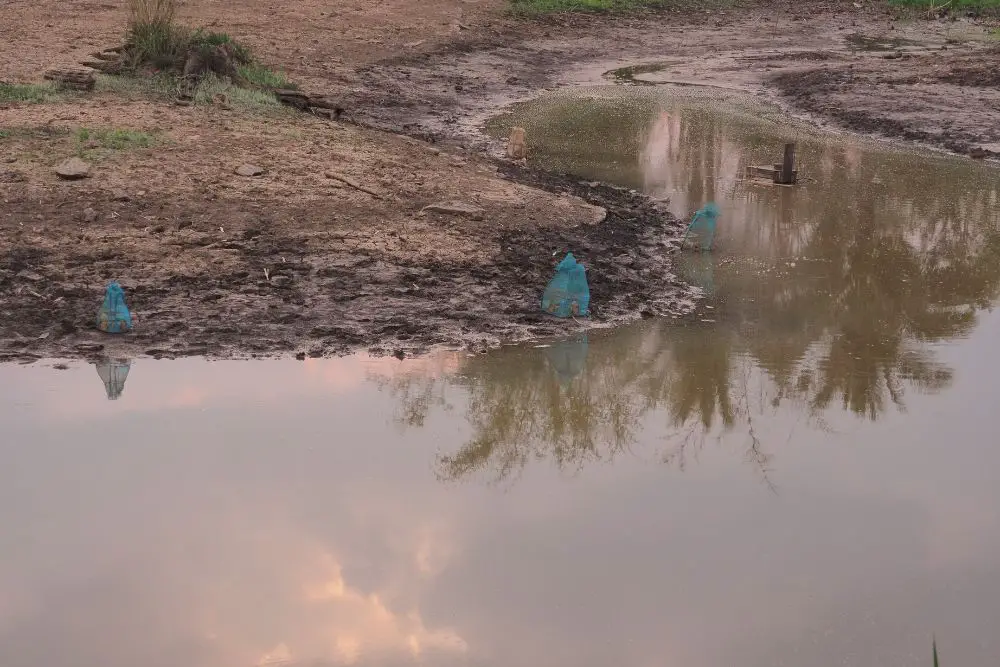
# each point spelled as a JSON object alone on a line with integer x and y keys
{"x": 787, "y": 174}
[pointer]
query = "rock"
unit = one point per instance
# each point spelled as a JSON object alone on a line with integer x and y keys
{"x": 73, "y": 169}
{"x": 280, "y": 281}
{"x": 89, "y": 215}
{"x": 78, "y": 78}
{"x": 249, "y": 170}
{"x": 120, "y": 195}
{"x": 455, "y": 208}
{"x": 598, "y": 214}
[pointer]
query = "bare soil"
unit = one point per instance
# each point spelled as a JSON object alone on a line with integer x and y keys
{"x": 300, "y": 261}
{"x": 866, "y": 70}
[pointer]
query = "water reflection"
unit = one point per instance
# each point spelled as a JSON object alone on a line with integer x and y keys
{"x": 824, "y": 297}
{"x": 567, "y": 358}
{"x": 306, "y": 530}
{"x": 113, "y": 373}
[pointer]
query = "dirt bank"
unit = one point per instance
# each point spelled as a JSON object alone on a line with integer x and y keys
{"x": 294, "y": 261}
{"x": 329, "y": 249}
{"x": 866, "y": 70}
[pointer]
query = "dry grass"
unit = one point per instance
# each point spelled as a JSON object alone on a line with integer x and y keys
{"x": 151, "y": 13}
{"x": 153, "y": 37}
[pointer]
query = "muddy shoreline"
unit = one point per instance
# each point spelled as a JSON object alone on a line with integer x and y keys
{"x": 323, "y": 301}
{"x": 867, "y": 71}
{"x": 229, "y": 275}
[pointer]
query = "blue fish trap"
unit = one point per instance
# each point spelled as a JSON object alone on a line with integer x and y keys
{"x": 701, "y": 232}
{"x": 113, "y": 317}
{"x": 567, "y": 294}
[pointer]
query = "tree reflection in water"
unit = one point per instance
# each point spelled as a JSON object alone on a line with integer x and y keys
{"x": 821, "y": 296}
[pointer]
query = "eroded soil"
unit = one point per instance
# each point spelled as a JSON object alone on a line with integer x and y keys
{"x": 296, "y": 261}
{"x": 299, "y": 260}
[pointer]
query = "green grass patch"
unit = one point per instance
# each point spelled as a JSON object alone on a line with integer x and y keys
{"x": 160, "y": 54}
{"x": 206, "y": 40}
{"x": 530, "y": 7}
{"x": 238, "y": 97}
{"x": 164, "y": 87}
{"x": 33, "y": 93}
{"x": 157, "y": 86}
{"x": 258, "y": 76}
{"x": 990, "y": 7}
{"x": 163, "y": 46}
{"x": 112, "y": 139}
{"x": 163, "y": 49}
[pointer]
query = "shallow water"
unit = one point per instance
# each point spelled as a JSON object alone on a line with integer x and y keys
{"x": 805, "y": 473}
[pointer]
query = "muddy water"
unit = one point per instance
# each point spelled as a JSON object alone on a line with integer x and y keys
{"x": 805, "y": 473}
{"x": 838, "y": 290}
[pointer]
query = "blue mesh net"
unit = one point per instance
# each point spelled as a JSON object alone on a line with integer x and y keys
{"x": 701, "y": 232}
{"x": 567, "y": 294}
{"x": 113, "y": 317}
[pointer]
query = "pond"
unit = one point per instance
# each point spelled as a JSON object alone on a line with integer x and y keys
{"x": 802, "y": 473}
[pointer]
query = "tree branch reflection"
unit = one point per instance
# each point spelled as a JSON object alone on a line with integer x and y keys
{"x": 823, "y": 298}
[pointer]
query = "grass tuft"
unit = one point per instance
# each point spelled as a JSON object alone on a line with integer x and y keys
{"x": 153, "y": 37}
{"x": 33, "y": 93}
{"x": 158, "y": 49}
{"x": 238, "y": 97}
{"x": 202, "y": 39}
{"x": 163, "y": 47}
{"x": 530, "y": 7}
{"x": 157, "y": 86}
{"x": 258, "y": 76}
{"x": 152, "y": 12}
{"x": 112, "y": 139}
